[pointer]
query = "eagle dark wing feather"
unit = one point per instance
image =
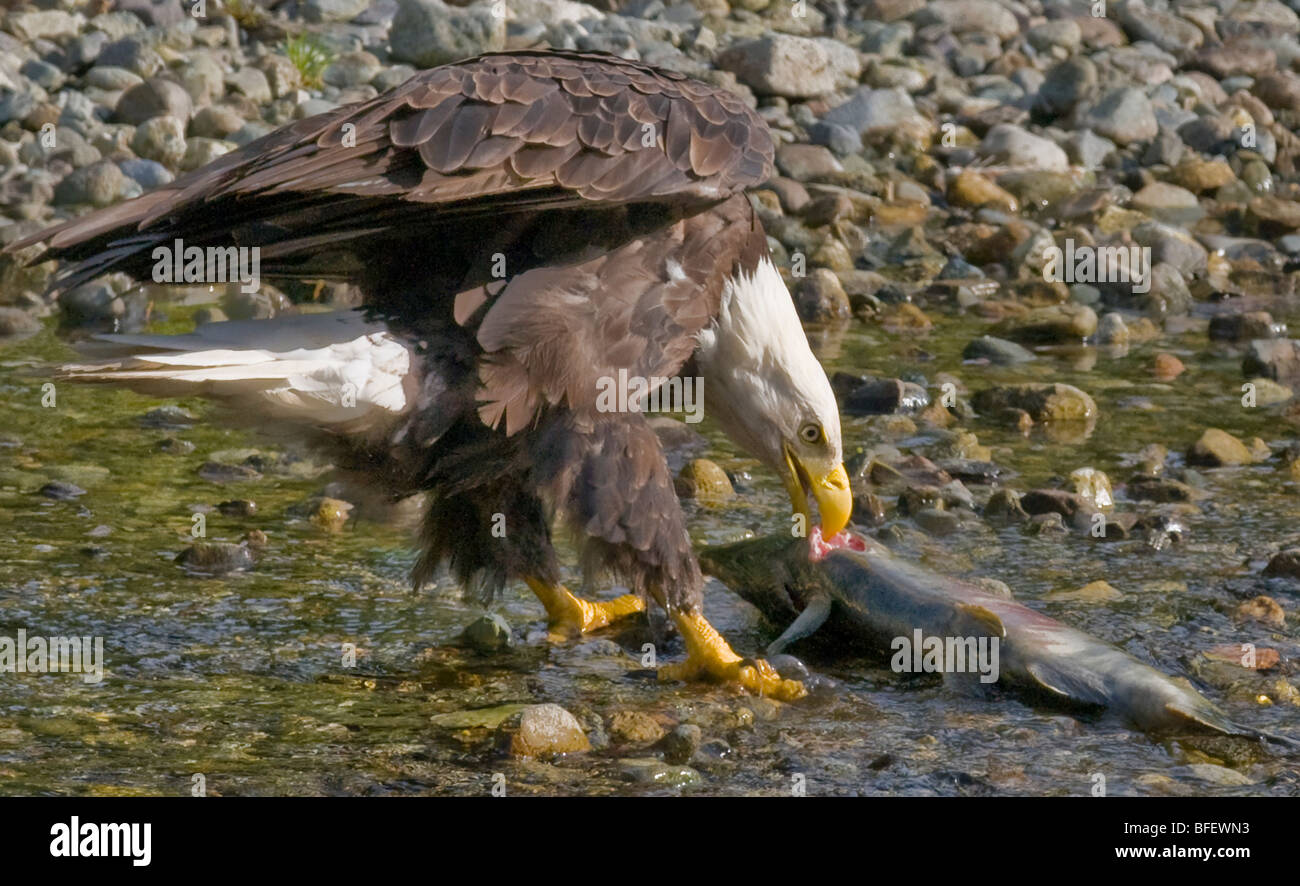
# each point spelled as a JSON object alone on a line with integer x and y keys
{"x": 402, "y": 145}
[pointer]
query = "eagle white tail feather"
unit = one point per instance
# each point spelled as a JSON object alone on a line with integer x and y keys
{"x": 331, "y": 369}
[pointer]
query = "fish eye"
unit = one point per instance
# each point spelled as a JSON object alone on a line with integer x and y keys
{"x": 811, "y": 433}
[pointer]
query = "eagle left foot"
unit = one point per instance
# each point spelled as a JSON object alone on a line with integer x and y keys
{"x": 710, "y": 657}
{"x": 569, "y": 615}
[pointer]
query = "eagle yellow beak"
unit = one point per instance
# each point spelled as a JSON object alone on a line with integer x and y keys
{"x": 830, "y": 488}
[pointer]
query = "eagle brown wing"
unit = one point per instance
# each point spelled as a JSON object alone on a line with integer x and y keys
{"x": 455, "y": 146}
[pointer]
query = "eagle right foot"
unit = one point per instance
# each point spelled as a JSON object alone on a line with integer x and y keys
{"x": 569, "y": 615}
{"x": 710, "y": 657}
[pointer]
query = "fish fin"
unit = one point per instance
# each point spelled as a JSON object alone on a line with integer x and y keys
{"x": 1065, "y": 686}
{"x": 1213, "y": 719}
{"x": 981, "y": 621}
{"x": 1045, "y": 680}
{"x": 813, "y": 617}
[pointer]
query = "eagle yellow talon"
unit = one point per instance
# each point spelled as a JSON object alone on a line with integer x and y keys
{"x": 710, "y": 657}
{"x": 569, "y": 615}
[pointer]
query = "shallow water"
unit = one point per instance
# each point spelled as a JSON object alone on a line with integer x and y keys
{"x": 241, "y": 679}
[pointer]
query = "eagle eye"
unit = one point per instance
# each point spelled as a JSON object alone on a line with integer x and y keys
{"x": 811, "y": 433}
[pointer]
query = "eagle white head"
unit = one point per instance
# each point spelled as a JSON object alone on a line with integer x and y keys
{"x": 771, "y": 396}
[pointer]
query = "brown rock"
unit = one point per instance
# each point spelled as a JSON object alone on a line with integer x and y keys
{"x": 634, "y": 727}
{"x": 1218, "y": 448}
{"x": 705, "y": 482}
{"x": 1167, "y": 367}
{"x": 1285, "y": 563}
{"x": 974, "y": 190}
{"x": 547, "y": 729}
{"x": 1263, "y": 609}
{"x": 820, "y": 296}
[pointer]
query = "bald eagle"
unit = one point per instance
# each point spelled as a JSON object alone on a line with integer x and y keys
{"x": 523, "y": 227}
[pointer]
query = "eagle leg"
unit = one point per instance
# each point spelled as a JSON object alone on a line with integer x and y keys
{"x": 570, "y": 615}
{"x": 710, "y": 657}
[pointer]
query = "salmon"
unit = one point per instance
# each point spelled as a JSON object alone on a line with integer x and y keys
{"x": 880, "y": 603}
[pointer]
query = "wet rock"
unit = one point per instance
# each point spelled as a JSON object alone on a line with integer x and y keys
{"x": 1284, "y": 563}
{"x": 1143, "y": 487}
{"x": 480, "y": 718}
{"x": 1004, "y": 506}
{"x": 167, "y": 418}
{"x": 488, "y": 634}
{"x": 1094, "y": 486}
{"x": 1243, "y": 655}
{"x": 17, "y": 324}
{"x": 1243, "y": 327}
{"x": 868, "y": 509}
{"x": 92, "y": 304}
{"x": 820, "y": 297}
{"x": 260, "y": 305}
{"x": 1057, "y": 501}
{"x": 61, "y": 491}
{"x": 1112, "y": 330}
{"x": 1276, "y": 359}
{"x": 1263, "y": 609}
{"x": 216, "y": 472}
{"x": 173, "y": 446}
{"x": 635, "y": 727}
{"x": 1267, "y": 392}
{"x": 1067, "y": 322}
{"x": 1167, "y": 367}
{"x": 678, "y": 439}
{"x": 216, "y": 558}
{"x": 650, "y": 771}
{"x": 702, "y": 480}
{"x": 939, "y": 523}
{"x": 1219, "y": 775}
{"x": 1218, "y": 448}
{"x": 329, "y": 514}
{"x": 1093, "y": 592}
{"x": 869, "y": 395}
{"x": 790, "y": 66}
{"x": 1052, "y": 402}
{"x": 1050, "y": 523}
{"x": 238, "y": 507}
{"x": 546, "y": 730}
{"x": 997, "y": 351}
{"x": 680, "y": 745}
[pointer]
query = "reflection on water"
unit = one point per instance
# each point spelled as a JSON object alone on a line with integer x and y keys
{"x": 243, "y": 679}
